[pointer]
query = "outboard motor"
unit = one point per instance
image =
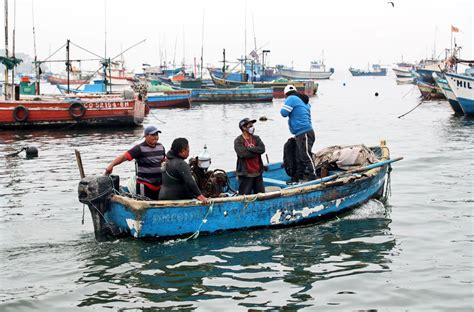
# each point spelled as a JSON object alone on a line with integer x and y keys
{"x": 96, "y": 191}
{"x": 210, "y": 182}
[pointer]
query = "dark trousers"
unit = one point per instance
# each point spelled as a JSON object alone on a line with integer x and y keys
{"x": 249, "y": 185}
{"x": 305, "y": 168}
{"x": 144, "y": 190}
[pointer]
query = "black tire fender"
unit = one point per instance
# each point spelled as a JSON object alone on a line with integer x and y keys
{"x": 21, "y": 113}
{"x": 77, "y": 110}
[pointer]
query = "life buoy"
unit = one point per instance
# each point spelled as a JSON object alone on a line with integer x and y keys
{"x": 21, "y": 113}
{"x": 77, "y": 110}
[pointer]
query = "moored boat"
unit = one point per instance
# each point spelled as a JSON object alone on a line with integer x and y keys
{"x": 232, "y": 95}
{"x": 60, "y": 80}
{"x": 429, "y": 91}
{"x": 168, "y": 99}
{"x": 442, "y": 83}
{"x": 116, "y": 213}
{"x": 376, "y": 70}
{"x": 309, "y": 87}
{"x": 317, "y": 70}
{"x": 462, "y": 87}
{"x": 72, "y": 111}
{"x": 403, "y": 72}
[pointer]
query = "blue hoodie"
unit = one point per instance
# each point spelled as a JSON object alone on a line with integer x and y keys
{"x": 299, "y": 114}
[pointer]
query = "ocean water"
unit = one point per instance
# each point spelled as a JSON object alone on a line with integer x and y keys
{"x": 415, "y": 253}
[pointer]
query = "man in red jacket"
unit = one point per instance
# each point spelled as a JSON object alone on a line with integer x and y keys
{"x": 249, "y": 148}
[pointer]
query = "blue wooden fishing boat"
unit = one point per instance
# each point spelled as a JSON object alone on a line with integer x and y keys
{"x": 376, "y": 71}
{"x": 232, "y": 95}
{"x": 168, "y": 99}
{"x": 117, "y": 213}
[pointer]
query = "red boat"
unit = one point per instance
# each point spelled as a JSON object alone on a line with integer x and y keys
{"x": 56, "y": 80}
{"x": 71, "y": 111}
{"x": 169, "y": 99}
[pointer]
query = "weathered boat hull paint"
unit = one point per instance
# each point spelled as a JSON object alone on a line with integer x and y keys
{"x": 109, "y": 111}
{"x": 448, "y": 93}
{"x": 232, "y": 95}
{"x": 169, "y": 99}
{"x": 309, "y": 87}
{"x": 281, "y": 211}
{"x": 429, "y": 92}
{"x": 288, "y": 206}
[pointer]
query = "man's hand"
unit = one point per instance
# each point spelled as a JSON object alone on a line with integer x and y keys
{"x": 109, "y": 169}
{"x": 203, "y": 199}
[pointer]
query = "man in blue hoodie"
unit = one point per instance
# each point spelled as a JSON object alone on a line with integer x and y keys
{"x": 298, "y": 111}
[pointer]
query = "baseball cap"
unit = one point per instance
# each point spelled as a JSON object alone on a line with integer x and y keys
{"x": 245, "y": 122}
{"x": 151, "y": 130}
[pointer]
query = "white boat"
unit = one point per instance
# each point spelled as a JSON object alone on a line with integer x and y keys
{"x": 442, "y": 83}
{"x": 407, "y": 80}
{"x": 462, "y": 87}
{"x": 317, "y": 71}
{"x": 402, "y": 72}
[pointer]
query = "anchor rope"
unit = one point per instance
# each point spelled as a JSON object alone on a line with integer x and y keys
{"x": 204, "y": 220}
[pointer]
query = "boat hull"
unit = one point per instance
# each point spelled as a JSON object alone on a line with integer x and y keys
{"x": 360, "y": 73}
{"x": 39, "y": 112}
{"x": 300, "y": 74}
{"x": 232, "y": 95}
{"x": 309, "y": 88}
{"x": 169, "y": 99}
{"x": 462, "y": 85}
{"x": 289, "y": 206}
{"x": 63, "y": 81}
{"x": 448, "y": 93}
{"x": 429, "y": 92}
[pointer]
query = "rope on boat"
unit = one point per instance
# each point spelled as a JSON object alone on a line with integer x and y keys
{"x": 204, "y": 220}
{"x": 247, "y": 200}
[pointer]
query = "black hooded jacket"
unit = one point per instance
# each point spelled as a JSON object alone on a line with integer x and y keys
{"x": 178, "y": 182}
{"x": 302, "y": 96}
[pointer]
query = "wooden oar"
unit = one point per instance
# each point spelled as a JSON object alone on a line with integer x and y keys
{"x": 347, "y": 173}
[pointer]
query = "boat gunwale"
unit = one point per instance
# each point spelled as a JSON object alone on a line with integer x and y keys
{"x": 139, "y": 205}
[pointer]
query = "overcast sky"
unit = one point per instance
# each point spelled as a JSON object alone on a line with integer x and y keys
{"x": 296, "y": 32}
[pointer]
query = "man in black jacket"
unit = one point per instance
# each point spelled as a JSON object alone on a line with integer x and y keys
{"x": 249, "y": 148}
{"x": 178, "y": 182}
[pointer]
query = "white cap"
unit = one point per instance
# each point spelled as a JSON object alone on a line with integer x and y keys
{"x": 289, "y": 88}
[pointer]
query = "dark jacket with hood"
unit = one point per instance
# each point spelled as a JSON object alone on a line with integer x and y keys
{"x": 178, "y": 182}
{"x": 244, "y": 152}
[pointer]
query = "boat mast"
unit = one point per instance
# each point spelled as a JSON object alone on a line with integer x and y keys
{"x": 68, "y": 64}
{"x": 6, "y": 49}
{"x": 13, "y": 49}
{"x": 184, "y": 50}
{"x": 37, "y": 74}
{"x": 202, "y": 43}
{"x": 245, "y": 35}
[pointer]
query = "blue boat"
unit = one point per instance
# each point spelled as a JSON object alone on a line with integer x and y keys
{"x": 442, "y": 83}
{"x": 97, "y": 87}
{"x": 376, "y": 71}
{"x": 232, "y": 95}
{"x": 117, "y": 214}
{"x": 462, "y": 87}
